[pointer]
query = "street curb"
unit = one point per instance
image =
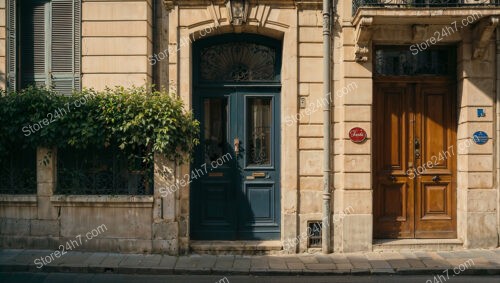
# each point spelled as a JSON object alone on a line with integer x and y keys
{"x": 260, "y": 272}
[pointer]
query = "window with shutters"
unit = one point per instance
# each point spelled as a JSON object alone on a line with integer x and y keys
{"x": 44, "y": 44}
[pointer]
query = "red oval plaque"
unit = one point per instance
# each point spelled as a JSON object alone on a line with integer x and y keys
{"x": 357, "y": 135}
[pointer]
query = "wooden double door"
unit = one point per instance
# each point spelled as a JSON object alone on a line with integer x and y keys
{"x": 414, "y": 143}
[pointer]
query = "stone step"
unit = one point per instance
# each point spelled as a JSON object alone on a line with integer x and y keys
{"x": 388, "y": 245}
{"x": 236, "y": 247}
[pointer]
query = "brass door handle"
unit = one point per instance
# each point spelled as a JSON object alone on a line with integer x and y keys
{"x": 236, "y": 146}
{"x": 417, "y": 148}
{"x": 436, "y": 179}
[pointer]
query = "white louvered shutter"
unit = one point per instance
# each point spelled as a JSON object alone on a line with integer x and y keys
{"x": 65, "y": 45}
{"x": 12, "y": 71}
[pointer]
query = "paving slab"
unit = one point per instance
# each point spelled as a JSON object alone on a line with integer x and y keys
{"x": 241, "y": 264}
{"x": 377, "y": 262}
{"x": 95, "y": 260}
{"x": 206, "y": 262}
{"x": 277, "y": 263}
{"x": 296, "y": 266}
{"x": 132, "y": 260}
{"x": 151, "y": 261}
{"x": 223, "y": 263}
{"x": 309, "y": 259}
{"x": 74, "y": 259}
{"x": 359, "y": 261}
{"x": 8, "y": 254}
{"x": 184, "y": 264}
{"x": 324, "y": 258}
{"x": 344, "y": 266}
{"x": 339, "y": 258}
{"x": 168, "y": 262}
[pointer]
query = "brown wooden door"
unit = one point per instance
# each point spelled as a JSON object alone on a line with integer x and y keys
{"x": 414, "y": 159}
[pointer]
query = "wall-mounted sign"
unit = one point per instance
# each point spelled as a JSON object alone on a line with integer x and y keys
{"x": 480, "y": 137}
{"x": 480, "y": 112}
{"x": 357, "y": 135}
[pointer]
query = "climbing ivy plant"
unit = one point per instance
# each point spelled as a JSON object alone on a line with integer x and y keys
{"x": 139, "y": 119}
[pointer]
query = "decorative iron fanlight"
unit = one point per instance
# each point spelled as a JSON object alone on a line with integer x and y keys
{"x": 238, "y": 10}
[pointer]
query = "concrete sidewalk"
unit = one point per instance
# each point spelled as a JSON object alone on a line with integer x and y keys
{"x": 470, "y": 262}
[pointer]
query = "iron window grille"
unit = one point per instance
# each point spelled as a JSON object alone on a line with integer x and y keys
{"x": 18, "y": 172}
{"x": 314, "y": 230}
{"x": 356, "y": 4}
{"x": 102, "y": 172}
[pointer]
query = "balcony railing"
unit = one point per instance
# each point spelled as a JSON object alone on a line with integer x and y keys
{"x": 356, "y": 4}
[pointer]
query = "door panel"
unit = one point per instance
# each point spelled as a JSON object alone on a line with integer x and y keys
{"x": 216, "y": 207}
{"x": 394, "y": 191}
{"x": 213, "y": 190}
{"x": 260, "y": 208}
{"x": 238, "y": 200}
{"x": 414, "y": 158}
{"x": 435, "y": 201}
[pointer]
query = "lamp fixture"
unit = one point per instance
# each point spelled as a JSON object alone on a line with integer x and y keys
{"x": 238, "y": 10}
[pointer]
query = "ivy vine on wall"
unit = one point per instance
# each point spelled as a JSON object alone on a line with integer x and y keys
{"x": 138, "y": 119}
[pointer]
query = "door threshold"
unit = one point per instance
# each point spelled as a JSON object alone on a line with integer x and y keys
{"x": 235, "y": 247}
{"x": 417, "y": 244}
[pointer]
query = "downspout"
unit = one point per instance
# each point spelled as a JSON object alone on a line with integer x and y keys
{"x": 497, "y": 126}
{"x": 325, "y": 246}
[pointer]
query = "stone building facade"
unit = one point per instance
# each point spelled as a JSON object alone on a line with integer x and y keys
{"x": 420, "y": 81}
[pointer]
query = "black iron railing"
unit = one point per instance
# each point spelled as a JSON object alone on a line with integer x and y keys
{"x": 18, "y": 172}
{"x": 102, "y": 172}
{"x": 356, "y": 4}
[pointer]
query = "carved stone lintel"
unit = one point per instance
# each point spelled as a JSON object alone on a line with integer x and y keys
{"x": 420, "y": 32}
{"x": 482, "y": 32}
{"x": 364, "y": 33}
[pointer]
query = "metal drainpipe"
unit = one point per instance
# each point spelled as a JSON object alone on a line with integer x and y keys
{"x": 325, "y": 241}
{"x": 497, "y": 110}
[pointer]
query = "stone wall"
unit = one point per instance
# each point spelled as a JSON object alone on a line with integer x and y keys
{"x": 477, "y": 200}
{"x": 130, "y": 224}
{"x": 310, "y": 119}
{"x": 117, "y": 38}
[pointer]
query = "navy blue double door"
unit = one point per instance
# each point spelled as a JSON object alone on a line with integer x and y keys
{"x": 237, "y": 194}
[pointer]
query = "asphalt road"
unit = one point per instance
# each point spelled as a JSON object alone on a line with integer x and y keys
{"x": 123, "y": 278}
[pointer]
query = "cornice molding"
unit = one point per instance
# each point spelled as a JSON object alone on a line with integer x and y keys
{"x": 301, "y": 4}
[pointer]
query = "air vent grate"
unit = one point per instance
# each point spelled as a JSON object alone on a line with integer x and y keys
{"x": 314, "y": 234}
